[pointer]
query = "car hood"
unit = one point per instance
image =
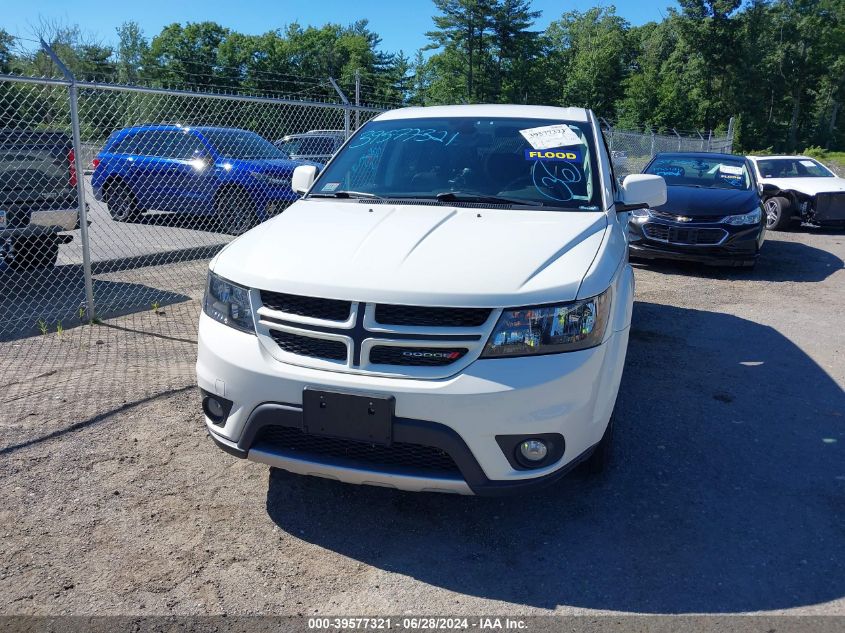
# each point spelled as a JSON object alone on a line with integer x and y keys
{"x": 696, "y": 202}
{"x": 417, "y": 254}
{"x": 808, "y": 186}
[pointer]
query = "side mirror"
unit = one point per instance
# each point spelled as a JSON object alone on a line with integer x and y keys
{"x": 642, "y": 190}
{"x": 303, "y": 178}
{"x": 768, "y": 189}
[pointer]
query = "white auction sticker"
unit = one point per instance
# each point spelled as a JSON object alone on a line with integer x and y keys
{"x": 560, "y": 135}
{"x": 808, "y": 163}
{"x": 730, "y": 169}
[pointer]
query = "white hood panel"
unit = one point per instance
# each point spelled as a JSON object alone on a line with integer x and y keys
{"x": 418, "y": 255}
{"x": 808, "y": 186}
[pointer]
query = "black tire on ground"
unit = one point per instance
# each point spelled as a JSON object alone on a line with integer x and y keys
{"x": 235, "y": 211}
{"x": 121, "y": 202}
{"x": 29, "y": 253}
{"x": 778, "y": 213}
{"x": 599, "y": 460}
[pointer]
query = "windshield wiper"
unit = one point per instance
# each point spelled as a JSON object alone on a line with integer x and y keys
{"x": 460, "y": 196}
{"x": 346, "y": 194}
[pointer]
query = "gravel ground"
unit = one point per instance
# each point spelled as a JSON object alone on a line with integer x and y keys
{"x": 727, "y": 494}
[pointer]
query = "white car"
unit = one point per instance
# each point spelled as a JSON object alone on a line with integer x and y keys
{"x": 446, "y": 309}
{"x": 799, "y": 188}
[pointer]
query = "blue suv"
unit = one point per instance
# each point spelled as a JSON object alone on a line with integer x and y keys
{"x": 235, "y": 176}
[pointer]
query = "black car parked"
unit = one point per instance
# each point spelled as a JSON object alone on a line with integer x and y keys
{"x": 37, "y": 196}
{"x": 713, "y": 212}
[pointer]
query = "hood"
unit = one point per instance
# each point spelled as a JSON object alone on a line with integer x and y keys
{"x": 808, "y": 186}
{"x": 698, "y": 202}
{"x": 417, "y": 254}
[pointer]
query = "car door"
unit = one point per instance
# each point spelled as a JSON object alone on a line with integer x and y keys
{"x": 188, "y": 172}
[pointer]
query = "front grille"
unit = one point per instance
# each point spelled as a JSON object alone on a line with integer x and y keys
{"x": 676, "y": 218}
{"x": 398, "y": 455}
{"x": 689, "y": 236}
{"x": 424, "y": 316}
{"x": 308, "y": 346}
{"x": 316, "y": 308}
{"x": 415, "y": 356}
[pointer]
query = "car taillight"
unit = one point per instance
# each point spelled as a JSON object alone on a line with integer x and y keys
{"x": 95, "y": 162}
{"x": 71, "y": 157}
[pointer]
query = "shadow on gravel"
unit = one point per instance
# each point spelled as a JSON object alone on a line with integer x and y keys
{"x": 727, "y": 493}
{"x": 55, "y": 295}
{"x": 779, "y": 261}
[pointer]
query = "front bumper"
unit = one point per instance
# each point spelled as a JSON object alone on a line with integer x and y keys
{"x": 570, "y": 394}
{"x": 741, "y": 244}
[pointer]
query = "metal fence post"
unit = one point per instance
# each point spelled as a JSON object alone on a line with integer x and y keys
{"x": 346, "y": 122}
{"x": 357, "y": 98}
{"x": 730, "y": 146}
{"x": 653, "y": 139}
{"x": 80, "y": 180}
{"x": 679, "y": 138}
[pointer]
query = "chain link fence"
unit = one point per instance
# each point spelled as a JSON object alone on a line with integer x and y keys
{"x": 113, "y": 199}
{"x": 632, "y": 149}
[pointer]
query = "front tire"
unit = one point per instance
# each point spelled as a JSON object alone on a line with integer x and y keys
{"x": 29, "y": 253}
{"x": 778, "y": 213}
{"x": 235, "y": 212}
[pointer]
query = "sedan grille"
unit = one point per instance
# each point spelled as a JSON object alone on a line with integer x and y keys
{"x": 308, "y": 346}
{"x": 416, "y": 457}
{"x": 688, "y": 236}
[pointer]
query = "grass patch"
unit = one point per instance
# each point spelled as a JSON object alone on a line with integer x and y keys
{"x": 834, "y": 160}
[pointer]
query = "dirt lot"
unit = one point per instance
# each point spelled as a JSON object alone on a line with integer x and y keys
{"x": 727, "y": 494}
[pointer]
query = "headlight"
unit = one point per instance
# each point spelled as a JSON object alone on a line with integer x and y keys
{"x": 746, "y": 218}
{"x": 228, "y": 303}
{"x": 565, "y": 327}
{"x": 641, "y": 213}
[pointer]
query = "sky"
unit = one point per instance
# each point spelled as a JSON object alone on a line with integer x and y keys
{"x": 400, "y": 23}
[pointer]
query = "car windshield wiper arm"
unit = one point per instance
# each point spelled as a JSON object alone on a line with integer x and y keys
{"x": 346, "y": 194}
{"x": 460, "y": 196}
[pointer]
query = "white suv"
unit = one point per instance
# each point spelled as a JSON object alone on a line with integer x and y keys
{"x": 446, "y": 308}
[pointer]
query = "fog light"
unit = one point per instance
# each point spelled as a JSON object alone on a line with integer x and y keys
{"x": 533, "y": 450}
{"x": 215, "y": 408}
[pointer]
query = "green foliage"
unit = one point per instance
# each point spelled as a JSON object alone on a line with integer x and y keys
{"x": 776, "y": 66}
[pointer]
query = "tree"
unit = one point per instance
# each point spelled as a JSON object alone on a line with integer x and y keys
{"x": 132, "y": 48}
{"x": 589, "y": 53}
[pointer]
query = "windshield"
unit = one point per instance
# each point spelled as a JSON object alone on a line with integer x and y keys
{"x": 792, "y": 168}
{"x": 526, "y": 162}
{"x": 704, "y": 172}
{"x": 241, "y": 144}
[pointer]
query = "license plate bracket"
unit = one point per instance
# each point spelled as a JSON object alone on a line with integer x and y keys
{"x": 348, "y": 416}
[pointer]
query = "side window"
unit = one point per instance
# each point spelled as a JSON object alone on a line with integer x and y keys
{"x": 125, "y": 145}
{"x": 316, "y": 145}
{"x": 184, "y": 146}
{"x": 147, "y": 143}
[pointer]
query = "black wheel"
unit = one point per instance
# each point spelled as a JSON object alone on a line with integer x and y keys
{"x": 778, "y": 213}
{"x": 235, "y": 212}
{"x": 122, "y": 203}
{"x": 599, "y": 460}
{"x": 28, "y": 253}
